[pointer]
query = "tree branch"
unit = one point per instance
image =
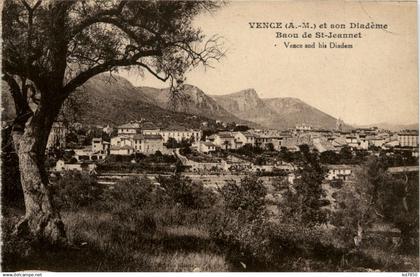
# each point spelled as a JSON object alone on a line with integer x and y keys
{"x": 23, "y": 112}
{"x": 96, "y": 18}
{"x": 163, "y": 79}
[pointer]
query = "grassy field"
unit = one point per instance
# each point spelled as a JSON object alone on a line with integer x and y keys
{"x": 98, "y": 244}
{"x": 137, "y": 226}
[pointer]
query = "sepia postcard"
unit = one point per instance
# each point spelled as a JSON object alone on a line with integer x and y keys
{"x": 209, "y": 136}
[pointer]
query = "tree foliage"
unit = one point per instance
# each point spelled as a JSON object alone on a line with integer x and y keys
{"x": 378, "y": 196}
{"x": 75, "y": 190}
{"x": 51, "y": 48}
{"x": 84, "y": 38}
{"x": 248, "y": 196}
{"x": 186, "y": 193}
{"x": 304, "y": 203}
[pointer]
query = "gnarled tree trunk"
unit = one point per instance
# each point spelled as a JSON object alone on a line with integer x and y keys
{"x": 42, "y": 220}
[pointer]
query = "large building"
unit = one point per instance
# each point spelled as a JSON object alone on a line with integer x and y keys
{"x": 146, "y": 138}
{"x": 262, "y": 140}
{"x": 223, "y": 140}
{"x": 303, "y": 127}
{"x": 137, "y": 143}
{"x": 100, "y": 146}
{"x": 149, "y": 144}
{"x": 339, "y": 172}
{"x": 129, "y": 129}
{"x": 408, "y": 139}
{"x": 205, "y": 146}
{"x": 148, "y": 128}
{"x": 180, "y": 134}
{"x": 243, "y": 138}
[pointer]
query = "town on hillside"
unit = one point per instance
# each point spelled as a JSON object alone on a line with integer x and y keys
{"x": 228, "y": 149}
{"x": 187, "y": 136}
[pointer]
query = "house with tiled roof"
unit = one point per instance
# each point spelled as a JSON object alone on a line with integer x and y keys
{"x": 341, "y": 171}
{"x": 149, "y": 128}
{"x": 130, "y": 128}
{"x": 243, "y": 138}
{"x": 137, "y": 143}
{"x": 322, "y": 144}
{"x": 377, "y": 141}
{"x": 338, "y": 143}
{"x": 180, "y": 134}
{"x": 149, "y": 144}
{"x": 121, "y": 150}
{"x": 205, "y": 146}
{"x": 262, "y": 140}
{"x": 223, "y": 140}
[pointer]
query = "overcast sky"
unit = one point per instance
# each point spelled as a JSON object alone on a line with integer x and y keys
{"x": 374, "y": 82}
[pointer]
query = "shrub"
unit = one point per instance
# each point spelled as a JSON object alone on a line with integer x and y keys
{"x": 145, "y": 206}
{"x": 76, "y": 189}
{"x": 251, "y": 236}
{"x": 248, "y": 196}
{"x": 239, "y": 224}
{"x": 50, "y": 162}
{"x": 134, "y": 193}
{"x": 185, "y": 151}
{"x": 184, "y": 192}
{"x": 337, "y": 184}
{"x": 131, "y": 202}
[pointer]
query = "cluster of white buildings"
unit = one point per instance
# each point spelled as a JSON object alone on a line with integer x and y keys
{"x": 322, "y": 140}
{"x": 339, "y": 172}
{"x": 131, "y": 138}
{"x": 143, "y": 137}
{"x": 146, "y": 138}
{"x": 278, "y": 140}
{"x": 235, "y": 140}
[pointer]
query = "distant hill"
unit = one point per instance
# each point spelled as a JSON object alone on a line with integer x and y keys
{"x": 392, "y": 127}
{"x": 293, "y": 111}
{"x": 116, "y": 101}
{"x": 191, "y": 100}
{"x": 246, "y": 105}
{"x": 279, "y": 113}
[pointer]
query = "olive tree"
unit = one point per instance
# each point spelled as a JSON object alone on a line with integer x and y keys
{"x": 52, "y": 47}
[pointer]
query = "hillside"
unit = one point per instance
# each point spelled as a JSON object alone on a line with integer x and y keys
{"x": 192, "y": 100}
{"x": 246, "y": 105}
{"x": 118, "y": 101}
{"x": 293, "y": 111}
{"x": 114, "y": 100}
{"x": 278, "y": 113}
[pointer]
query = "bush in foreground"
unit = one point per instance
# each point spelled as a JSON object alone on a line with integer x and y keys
{"x": 75, "y": 189}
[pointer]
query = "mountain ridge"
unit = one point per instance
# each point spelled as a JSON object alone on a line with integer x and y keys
{"x": 390, "y": 126}
{"x": 277, "y": 112}
{"x": 246, "y": 105}
{"x": 192, "y": 100}
{"x": 115, "y": 100}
